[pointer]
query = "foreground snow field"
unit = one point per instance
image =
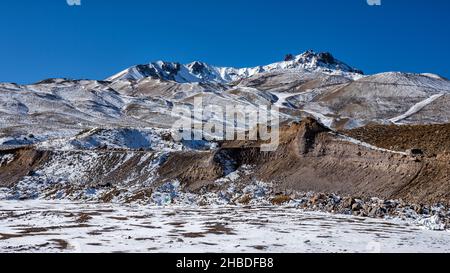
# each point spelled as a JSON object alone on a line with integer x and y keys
{"x": 43, "y": 226}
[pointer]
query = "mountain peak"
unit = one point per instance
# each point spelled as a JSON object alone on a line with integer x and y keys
{"x": 311, "y": 60}
{"x": 202, "y": 72}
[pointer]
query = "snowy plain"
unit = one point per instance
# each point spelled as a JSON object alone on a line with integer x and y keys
{"x": 58, "y": 226}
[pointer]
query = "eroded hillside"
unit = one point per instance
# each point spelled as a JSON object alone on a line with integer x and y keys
{"x": 311, "y": 157}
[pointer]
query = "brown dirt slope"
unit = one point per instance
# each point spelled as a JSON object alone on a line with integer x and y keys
{"x": 25, "y": 161}
{"x": 431, "y": 139}
{"x": 316, "y": 160}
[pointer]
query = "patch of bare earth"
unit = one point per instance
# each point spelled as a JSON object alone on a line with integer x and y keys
{"x": 431, "y": 139}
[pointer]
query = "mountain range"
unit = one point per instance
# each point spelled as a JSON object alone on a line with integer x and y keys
{"x": 310, "y": 84}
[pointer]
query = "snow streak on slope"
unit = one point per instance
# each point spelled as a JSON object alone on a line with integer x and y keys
{"x": 367, "y": 145}
{"x": 282, "y": 98}
{"x": 416, "y": 108}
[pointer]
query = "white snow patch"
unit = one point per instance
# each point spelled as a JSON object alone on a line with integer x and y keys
{"x": 432, "y": 223}
{"x": 6, "y": 159}
{"x": 283, "y": 96}
{"x": 326, "y": 121}
{"x": 416, "y": 108}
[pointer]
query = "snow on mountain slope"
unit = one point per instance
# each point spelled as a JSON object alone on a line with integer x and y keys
{"x": 409, "y": 80}
{"x": 132, "y": 139}
{"x": 416, "y": 108}
{"x": 202, "y": 72}
{"x": 386, "y": 98}
{"x": 310, "y": 84}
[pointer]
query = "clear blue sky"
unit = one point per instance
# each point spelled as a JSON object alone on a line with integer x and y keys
{"x": 48, "y": 38}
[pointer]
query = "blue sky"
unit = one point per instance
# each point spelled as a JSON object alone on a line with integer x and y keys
{"x": 48, "y": 38}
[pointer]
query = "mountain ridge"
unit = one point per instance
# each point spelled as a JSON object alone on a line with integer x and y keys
{"x": 202, "y": 72}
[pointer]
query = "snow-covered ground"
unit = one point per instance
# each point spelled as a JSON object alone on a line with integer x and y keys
{"x": 42, "y": 226}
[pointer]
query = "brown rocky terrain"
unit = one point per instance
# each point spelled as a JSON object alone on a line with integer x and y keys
{"x": 431, "y": 139}
{"x": 25, "y": 161}
{"x": 314, "y": 159}
{"x": 310, "y": 158}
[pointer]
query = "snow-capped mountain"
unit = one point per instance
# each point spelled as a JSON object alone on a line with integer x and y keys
{"x": 202, "y": 72}
{"x": 310, "y": 84}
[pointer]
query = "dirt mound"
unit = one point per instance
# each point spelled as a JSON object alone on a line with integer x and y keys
{"x": 431, "y": 139}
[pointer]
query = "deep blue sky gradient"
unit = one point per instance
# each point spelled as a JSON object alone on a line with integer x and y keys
{"x": 48, "y": 38}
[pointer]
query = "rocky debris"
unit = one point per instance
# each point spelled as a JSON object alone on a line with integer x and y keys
{"x": 245, "y": 199}
{"x": 318, "y": 199}
{"x": 434, "y": 217}
{"x": 357, "y": 207}
{"x": 280, "y": 199}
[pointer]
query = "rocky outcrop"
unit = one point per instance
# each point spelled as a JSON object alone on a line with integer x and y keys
{"x": 308, "y": 130}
